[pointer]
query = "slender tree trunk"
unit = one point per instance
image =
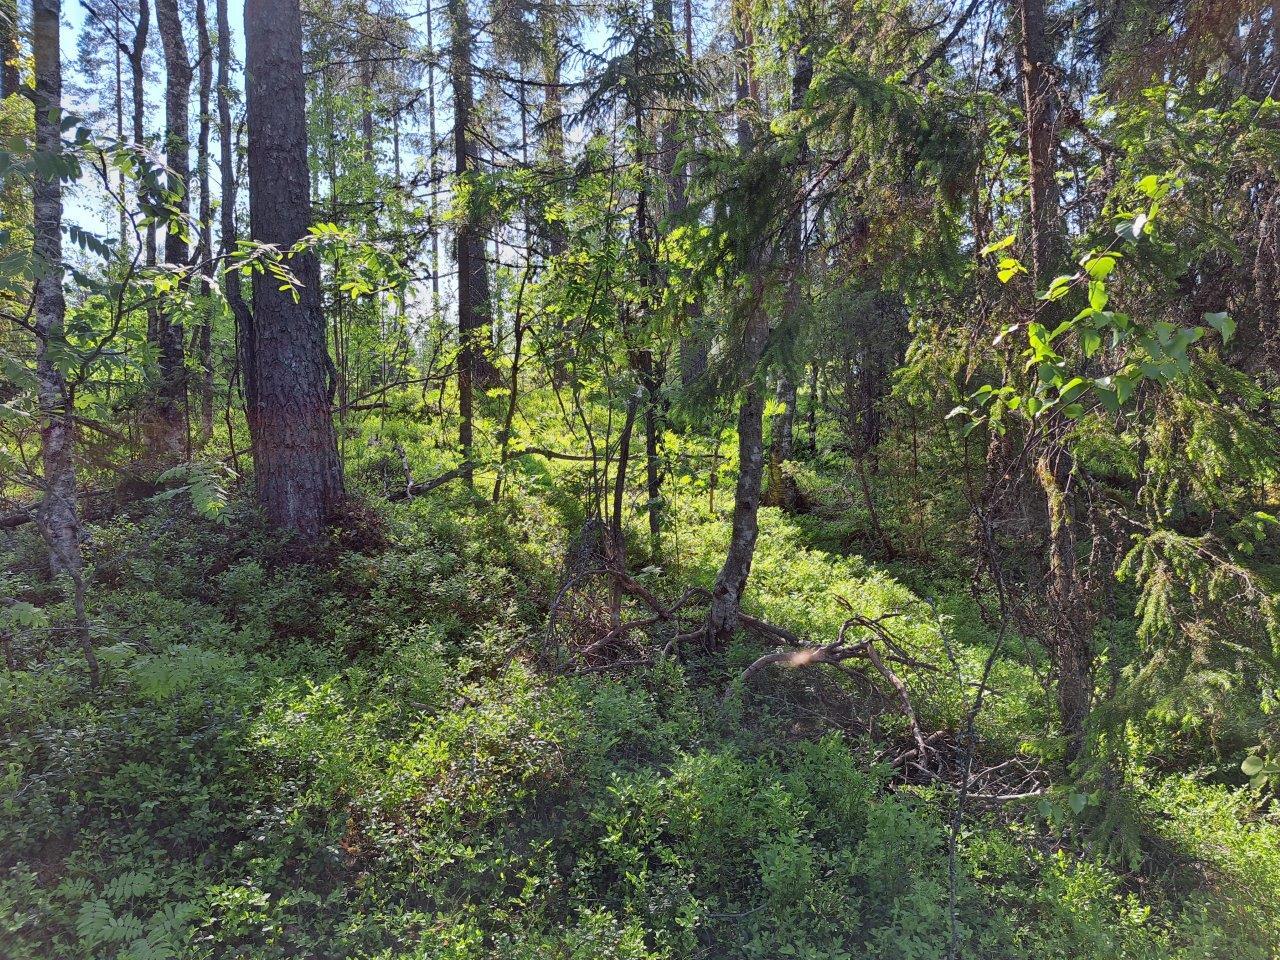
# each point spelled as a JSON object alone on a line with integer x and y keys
{"x": 641, "y": 356}
{"x": 693, "y": 348}
{"x": 434, "y": 166}
{"x": 123, "y": 220}
{"x": 782, "y": 486}
{"x": 9, "y": 53}
{"x": 138, "y": 79}
{"x": 169, "y": 422}
{"x": 726, "y": 596}
{"x": 552, "y": 125}
{"x": 781, "y": 491}
{"x": 651, "y": 380}
{"x": 1070, "y": 622}
{"x": 366, "y": 103}
{"x": 58, "y": 520}
{"x": 616, "y": 546}
{"x": 295, "y": 450}
{"x": 1035, "y": 61}
{"x": 231, "y": 283}
{"x": 1069, "y": 627}
{"x": 204, "y": 333}
{"x": 811, "y": 415}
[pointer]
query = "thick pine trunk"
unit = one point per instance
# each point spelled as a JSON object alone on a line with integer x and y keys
{"x": 168, "y": 428}
{"x": 474, "y": 320}
{"x": 467, "y": 249}
{"x": 57, "y": 517}
{"x": 475, "y": 368}
{"x": 295, "y": 452}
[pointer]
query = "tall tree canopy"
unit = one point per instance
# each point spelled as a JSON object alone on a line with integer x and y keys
{"x": 529, "y": 478}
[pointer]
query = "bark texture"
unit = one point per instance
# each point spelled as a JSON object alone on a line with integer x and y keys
{"x": 726, "y": 596}
{"x": 295, "y": 450}
{"x": 551, "y": 125}
{"x": 204, "y": 332}
{"x": 57, "y": 517}
{"x": 1069, "y": 624}
{"x": 168, "y": 426}
{"x": 1035, "y": 61}
{"x": 475, "y": 318}
{"x": 782, "y": 490}
{"x": 469, "y": 246}
{"x": 9, "y": 80}
{"x": 1069, "y": 619}
{"x": 232, "y": 285}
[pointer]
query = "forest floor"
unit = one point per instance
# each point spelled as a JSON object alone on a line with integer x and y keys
{"x": 390, "y": 753}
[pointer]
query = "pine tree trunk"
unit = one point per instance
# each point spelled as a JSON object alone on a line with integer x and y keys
{"x": 169, "y": 420}
{"x": 474, "y": 318}
{"x": 295, "y": 450}
{"x": 467, "y": 249}
{"x": 57, "y": 517}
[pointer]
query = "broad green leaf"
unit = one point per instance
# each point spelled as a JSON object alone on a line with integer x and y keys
{"x": 1223, "y": 323}
{"x": 997, "y": 245}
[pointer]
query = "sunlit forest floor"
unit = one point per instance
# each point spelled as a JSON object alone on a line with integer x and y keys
{"x": 396, "y": 751}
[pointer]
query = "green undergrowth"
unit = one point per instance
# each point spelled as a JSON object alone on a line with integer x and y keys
{"x": 367, "y": 757}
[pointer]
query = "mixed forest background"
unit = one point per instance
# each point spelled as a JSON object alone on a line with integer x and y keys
{"x": 538, "y": 478}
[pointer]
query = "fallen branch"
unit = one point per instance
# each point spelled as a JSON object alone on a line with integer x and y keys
{"x": 414, "y": 489}
{"x": 660, "y": 613}
{"x": 835, "y": 654}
